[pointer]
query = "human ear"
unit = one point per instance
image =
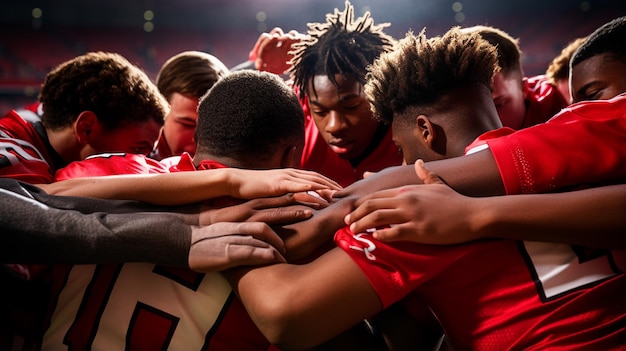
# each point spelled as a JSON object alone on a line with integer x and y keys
{"x": 425, "y": 130}
{"x": 84, "y": 126}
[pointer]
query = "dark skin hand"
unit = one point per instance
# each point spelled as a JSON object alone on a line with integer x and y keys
{"x": 472, "y": 175}
{"x": 223, "y": 242}
{"x": 285, "y": 209}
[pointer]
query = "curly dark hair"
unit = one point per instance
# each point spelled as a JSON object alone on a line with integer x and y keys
{"x": 247, "y": 115}
{"x": 607, "y": 39}
{"x": 106, "y": 84}
{"x": 190, "y": 73}
{"x": 342, "y": 45}
{"x": 420, "y": 70}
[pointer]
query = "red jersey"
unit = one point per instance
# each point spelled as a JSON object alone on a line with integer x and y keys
{"x": 513, "y": 295}
{"x": 585, "y": 143}
{"x": 543, "y": 100}
{"x": 25, "y": 153}
{"x": 504, "y": 294}
{"x": 317, "y": 156}
{"x": 141, "y": 306}
{"x": 109, "y": 164}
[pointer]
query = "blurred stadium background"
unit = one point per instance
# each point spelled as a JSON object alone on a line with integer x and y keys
{"x": 36, "y": 35}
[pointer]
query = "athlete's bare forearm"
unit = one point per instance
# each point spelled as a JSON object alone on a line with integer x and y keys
{"x": 592, "y": 217}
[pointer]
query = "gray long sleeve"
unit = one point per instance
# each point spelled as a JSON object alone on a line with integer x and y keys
{"x": 40, "y": 228}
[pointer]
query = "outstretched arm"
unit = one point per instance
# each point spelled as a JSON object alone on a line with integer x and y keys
{"x": 474, "y": 175}
{"x": 300, "y": 306}
{"x": 436, "y": 214}
{"x": 42, "y": 228}
{"x": 189, "y": 187}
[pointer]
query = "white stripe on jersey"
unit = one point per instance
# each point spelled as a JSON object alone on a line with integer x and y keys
{"x": 29, "y": 115}
{"x": 19, "y": 146}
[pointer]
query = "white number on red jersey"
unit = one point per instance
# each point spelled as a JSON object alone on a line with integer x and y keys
{"x": 116, "y": 307}
{"x": 561, "y": 268}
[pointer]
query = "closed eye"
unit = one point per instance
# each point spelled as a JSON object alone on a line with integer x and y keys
{"x": 320, "y": 113}
{"x": 593, "y": 95}
{"x": 352, "y": 107}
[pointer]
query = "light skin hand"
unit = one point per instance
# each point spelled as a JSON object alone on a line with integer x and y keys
{"x": 315, "y": 200}
{"x": 252, "y": 55}
{"x": 181, "y": 188}
{"x": 249, "y": 184}
{"x": 433, "y": 213}
{"x": 271, "y": 52}
{"x": 226, "y": 245}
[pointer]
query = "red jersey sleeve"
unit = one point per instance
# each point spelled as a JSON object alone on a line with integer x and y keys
{"x": 110, "y": 164}
{"x": 395, "y": 269}
{"x": 582, "y": 144}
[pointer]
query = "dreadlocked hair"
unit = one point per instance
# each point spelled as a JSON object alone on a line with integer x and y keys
{"x": 419, "y": 70}
{"x": 342, "y": 45}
